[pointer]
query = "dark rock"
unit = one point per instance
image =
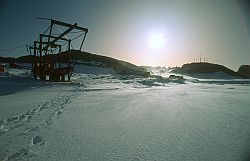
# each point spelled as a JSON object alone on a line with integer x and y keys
{"x": 203, "y": 68}
{"x": 175, "y": 77}
{"x": 244, "y": 71}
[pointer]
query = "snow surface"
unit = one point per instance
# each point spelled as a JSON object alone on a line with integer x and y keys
{"x": 103, "y": 116}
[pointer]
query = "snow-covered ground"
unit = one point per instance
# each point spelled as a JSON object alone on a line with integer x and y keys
{"x": 101, "y": 116}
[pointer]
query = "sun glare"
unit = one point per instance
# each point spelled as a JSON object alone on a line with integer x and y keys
{"x": 156, "y": 40}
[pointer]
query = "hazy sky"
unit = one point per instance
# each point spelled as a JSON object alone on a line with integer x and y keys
{"x": 144, "y": 32}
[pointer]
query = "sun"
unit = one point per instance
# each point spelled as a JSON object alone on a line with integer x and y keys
{"x": 156, "y": 40}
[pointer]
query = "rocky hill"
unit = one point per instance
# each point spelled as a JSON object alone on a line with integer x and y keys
{"x": 7, "y": 59}
{"x": 79, "y": 57}
{"x": 244, "y": 71}
{"x": 204, "y": 68}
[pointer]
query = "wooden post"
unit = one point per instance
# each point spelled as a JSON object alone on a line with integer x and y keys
{"x": 35, "y": 62}
{"x": 69, "y": 60}
{"x": 59, "y": 60}
{"x": 41, "y": 73}
{"x": 40, "y": 51}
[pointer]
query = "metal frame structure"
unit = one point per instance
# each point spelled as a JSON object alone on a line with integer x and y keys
{"x": 59, "y": 66}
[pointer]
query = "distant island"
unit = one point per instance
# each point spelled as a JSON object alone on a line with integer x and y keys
{"x": 210, "y": 68}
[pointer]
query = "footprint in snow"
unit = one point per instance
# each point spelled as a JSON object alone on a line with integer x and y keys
{"x": 16, "y": 156}
{"x": 37, "y": 140}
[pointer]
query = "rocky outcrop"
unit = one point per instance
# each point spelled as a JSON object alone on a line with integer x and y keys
{"x": 244, "y": 71}
{"x": 201, "y": 68}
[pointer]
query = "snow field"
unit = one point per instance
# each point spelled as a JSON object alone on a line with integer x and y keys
{"x": 107, "y": 117}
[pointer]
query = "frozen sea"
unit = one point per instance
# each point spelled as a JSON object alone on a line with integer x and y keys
{"x": 101, "y": 116}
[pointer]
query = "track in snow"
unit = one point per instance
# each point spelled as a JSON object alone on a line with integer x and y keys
{"x": 26, "y": 126}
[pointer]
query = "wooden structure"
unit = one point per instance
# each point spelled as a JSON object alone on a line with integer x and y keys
{"x": 52, "y": 51}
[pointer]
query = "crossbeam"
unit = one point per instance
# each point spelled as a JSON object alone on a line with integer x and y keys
{"x": 46, "y": 43}
{"x": 43, "y": 49}
{"x": 64, "y": 33}
{"x": 68, "y": 25}
{"x": 43, "y": 35}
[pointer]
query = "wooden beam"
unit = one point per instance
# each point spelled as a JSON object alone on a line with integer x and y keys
{"x": 45, "y": 43}
{"x": 43, "y": 35}
{"x": 43, "y": 49}
{"x": 68, "y": 25}
{"x": 83, "y": 41}
{"x": 48, "y": 44}
{"x": 64, "y": 33}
